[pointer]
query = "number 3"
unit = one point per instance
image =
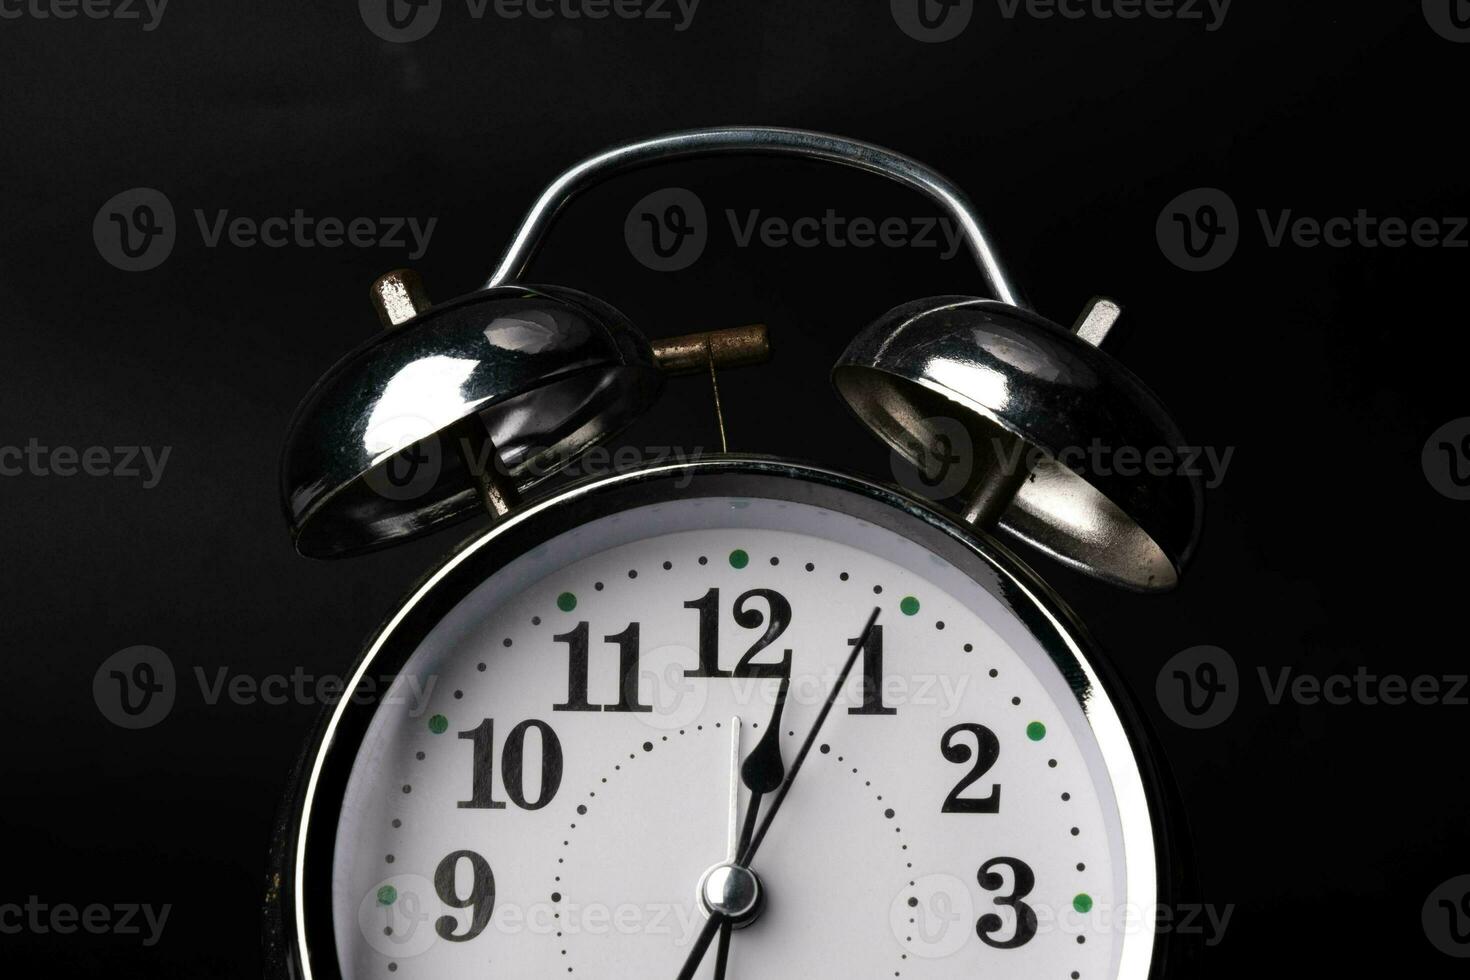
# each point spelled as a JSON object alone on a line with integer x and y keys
{"x": 1022, "y": 881}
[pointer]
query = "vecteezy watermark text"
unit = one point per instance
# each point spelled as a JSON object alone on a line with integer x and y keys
{"x": 1364, "y": 687}
{"x": 677, "y": 699}
{"x": 64, "y": 919}
{"x": 1211, "y": 13}
{"x": 668, "y": 230}
{"x": 136, "y": 230}
{"x": 404, "y": 21}
{"x": 1101, "y": 459}
{"x": 136, "y": 688}
{"x": 301, "y": 687}
{"x": 411, "y": 473}
{"x": 124, "y": 462}
{"x": 401, "y": 916}
{"x": 1200, "y": 230}
{"x": 307, "y": 231}
{"x": 833, "y": 230}
{"x": 936, "y": 21}
{"x": 947, "y": 460}
{"x": 936, "y": 915}
{"x": 147, "y": 13}
{"x": 1199, "y": 688}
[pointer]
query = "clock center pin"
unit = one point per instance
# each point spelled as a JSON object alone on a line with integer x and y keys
{"x": 731, "y": 891}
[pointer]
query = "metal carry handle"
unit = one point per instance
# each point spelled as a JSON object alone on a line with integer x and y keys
{"x": 743, "y": 139}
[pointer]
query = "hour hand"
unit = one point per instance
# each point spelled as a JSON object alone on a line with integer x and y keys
{"x": 763, "y": 769}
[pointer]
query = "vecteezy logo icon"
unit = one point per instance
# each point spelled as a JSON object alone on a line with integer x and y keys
{"x": 135, "y": 230}
{"x": 1446, "y": 459}
{"x": 1449, "y": 18}
{"x": 933, "y": 21}
{"x": 1199, "y": 230}
{"x": 943, "y": 464}
{"x": 400, "y": 21}
{"x": 667, "y": 230}
{"x": 933, "y": 916}
{"x": 677, "y": 701}
{"x": 134, "y": 688}
{"x": 411, "y": 473}
{"x": 398, "y": 914}
{"x": 1446, "y": 917}
{"x": 1199, "y": 688}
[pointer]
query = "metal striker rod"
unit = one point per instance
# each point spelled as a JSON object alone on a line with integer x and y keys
{"x": 399, "y": 296}
{"x": 996, "y": 486}
{"x": 712, "y": 349}
{"x": 732, "y": 347}
{"x": 714, "y": 383}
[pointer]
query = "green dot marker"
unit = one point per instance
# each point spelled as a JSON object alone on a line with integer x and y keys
{"x": 387, "y": 895}
{"x": 909, "y": 606}
{"x": 438, "y": 724}
{"x": 566, "y": 602}
{"x": 1082, "y": 903}
{"x": 739, "y": 559}
{"x": 1036, "y": 731}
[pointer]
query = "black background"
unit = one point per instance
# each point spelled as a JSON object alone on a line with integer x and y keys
{"x": 1326, "y": 370}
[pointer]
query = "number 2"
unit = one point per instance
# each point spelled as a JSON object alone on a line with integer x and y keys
{"x": 988, "y": 747}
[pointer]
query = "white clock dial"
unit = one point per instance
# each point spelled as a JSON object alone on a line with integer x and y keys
{"x": 550, "y": 777}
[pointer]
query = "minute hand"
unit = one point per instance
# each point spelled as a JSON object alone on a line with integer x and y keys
{"x": 811, "y": 737}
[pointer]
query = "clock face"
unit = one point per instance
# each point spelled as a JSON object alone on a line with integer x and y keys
{"x": 546, "y": 783}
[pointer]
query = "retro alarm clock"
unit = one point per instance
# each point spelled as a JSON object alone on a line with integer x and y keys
{"x": 738, "y": 716}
